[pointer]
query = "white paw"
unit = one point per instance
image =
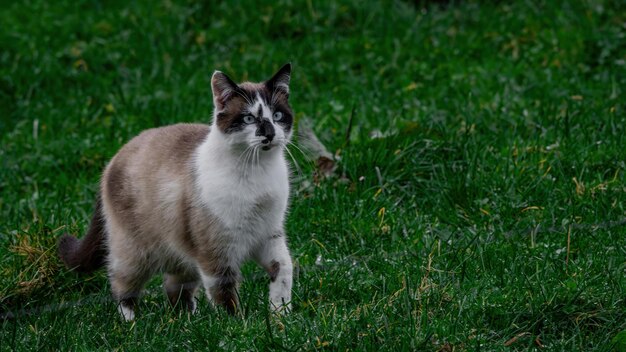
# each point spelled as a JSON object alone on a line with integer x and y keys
{"x": 279, "y": 307}
{"x": 128, "y": 314}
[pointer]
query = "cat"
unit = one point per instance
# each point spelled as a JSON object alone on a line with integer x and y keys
{"x": 195, "y": 201}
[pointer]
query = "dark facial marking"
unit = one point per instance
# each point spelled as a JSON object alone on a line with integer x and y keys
{"x": 281, "y": 103}
{"x": 230, "y": 118}
{"x": 266, "y": 129}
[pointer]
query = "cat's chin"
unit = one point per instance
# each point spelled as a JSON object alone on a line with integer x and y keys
{"x": 269, "y": 147}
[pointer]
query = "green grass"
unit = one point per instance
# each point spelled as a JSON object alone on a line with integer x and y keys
{"x": 495, "y": 212}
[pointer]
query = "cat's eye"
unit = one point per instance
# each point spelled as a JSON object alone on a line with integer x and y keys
{"x": 248, "y": 119}
{"x": 277, "y": 116}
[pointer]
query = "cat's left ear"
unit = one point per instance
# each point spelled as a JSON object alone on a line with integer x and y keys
{"x": 280, "y": 80}
{"x": 223, "y": 89}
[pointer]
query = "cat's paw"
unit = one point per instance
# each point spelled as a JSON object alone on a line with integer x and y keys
{"x": 127, "y": 313}
{"x": 280, "y": 308}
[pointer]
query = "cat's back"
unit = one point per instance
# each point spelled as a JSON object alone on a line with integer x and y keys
{"x": 160, "y": 148}
{"x": 153, "y": 167}
{"x": 169, "y": 143}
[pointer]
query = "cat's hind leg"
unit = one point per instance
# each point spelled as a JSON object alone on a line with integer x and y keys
{"x": 128, "y": 270}
{"x": 221, "y": 285}
{"x": 127, "y": 284}
{"x": 180, "y": 288}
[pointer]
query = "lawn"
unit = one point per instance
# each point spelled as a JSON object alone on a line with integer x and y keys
{"x": 479, "y": 200}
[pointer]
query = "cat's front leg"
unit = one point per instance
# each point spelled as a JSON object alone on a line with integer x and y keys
{"x": 274, "y": 257}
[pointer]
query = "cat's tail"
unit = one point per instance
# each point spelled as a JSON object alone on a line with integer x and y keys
{"x": 87, "y": 254}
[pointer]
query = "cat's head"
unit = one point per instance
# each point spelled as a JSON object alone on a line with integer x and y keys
{"x": 254, "y": 115}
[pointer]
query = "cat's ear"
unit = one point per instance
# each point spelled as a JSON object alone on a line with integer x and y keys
{"x": 280, "y": 80}
{"x": 223, "y": 89}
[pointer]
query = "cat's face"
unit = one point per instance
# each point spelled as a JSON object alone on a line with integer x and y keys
{"x": 254, "y": 115}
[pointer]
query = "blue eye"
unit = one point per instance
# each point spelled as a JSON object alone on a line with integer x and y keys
{"x": 249, "y": 119}
{"x": 277, "y": 116}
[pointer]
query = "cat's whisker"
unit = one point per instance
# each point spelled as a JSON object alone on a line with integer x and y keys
{"x": 306, "y": 150}
{"x": 295, "y": 162}
{"x": 258, "y": 157}
{"x": 244, "y": 165}
{"x": 306, "y": 155}
{"x": 249, "y": 165}
{"x": 242, "y": 155}
{"x": 253, "y": 155}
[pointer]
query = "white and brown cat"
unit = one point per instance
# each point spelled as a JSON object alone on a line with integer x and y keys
{"x": 195, "y": 201}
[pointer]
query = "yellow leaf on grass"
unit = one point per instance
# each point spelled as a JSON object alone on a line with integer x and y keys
{"x": 410, "y": 87}
{"x": 532, "y": 207}
{"x": 580, "y": 187}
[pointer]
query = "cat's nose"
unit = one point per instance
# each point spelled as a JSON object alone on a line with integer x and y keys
{"x": 266, "y": 130}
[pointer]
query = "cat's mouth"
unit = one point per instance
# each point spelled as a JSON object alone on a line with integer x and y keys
{"x": 267, "y": 144}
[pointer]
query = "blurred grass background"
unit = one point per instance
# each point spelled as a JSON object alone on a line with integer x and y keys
{"x": 488, "y": 212}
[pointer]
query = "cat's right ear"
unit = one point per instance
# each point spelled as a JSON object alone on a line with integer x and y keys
{"x": 223, "y": 89}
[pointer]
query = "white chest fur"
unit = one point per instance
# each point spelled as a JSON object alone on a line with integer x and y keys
{"x": 251, "y": 200}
